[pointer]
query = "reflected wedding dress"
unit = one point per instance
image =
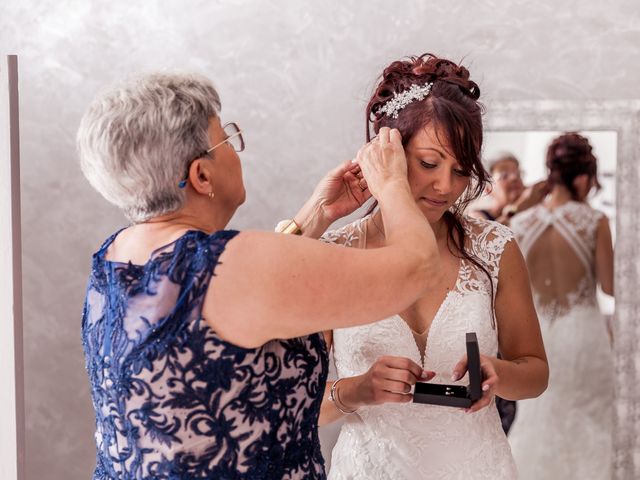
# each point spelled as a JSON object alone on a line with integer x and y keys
{"x": 566, "y": 433}
{"x": 415, "y": 441}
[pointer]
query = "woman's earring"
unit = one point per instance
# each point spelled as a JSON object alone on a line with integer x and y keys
{"x": 211, "y": 195}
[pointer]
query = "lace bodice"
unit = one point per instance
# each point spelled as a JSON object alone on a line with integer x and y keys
{"x": 394, "y": 441}
{"x": 172, "y": 400}
{"x": 559, "y": 247}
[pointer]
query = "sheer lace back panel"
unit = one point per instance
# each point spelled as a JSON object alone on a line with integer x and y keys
{"x": 567, "y": 431}
{"x": 559, "y": 247}
{"x": 393, "y": 441}
{"x": 172, "y": 399}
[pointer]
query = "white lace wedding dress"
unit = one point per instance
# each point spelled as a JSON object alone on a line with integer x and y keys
{"x": 567, "y": 432}
{"x": 414, "y": 441}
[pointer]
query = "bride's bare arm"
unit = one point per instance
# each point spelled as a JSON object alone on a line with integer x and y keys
{"x": 604, "y": 256}
{"x": 523, "y": 372}
{"x": 328, "y": 411}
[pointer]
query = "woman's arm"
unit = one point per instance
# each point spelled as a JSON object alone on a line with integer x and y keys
{"x": 604, "y": 256}
{"x": 337, "y": 195}
{"x": 281, "y": 286}
{"x": 270, "y": 285}
{"x": 523, "y": 371}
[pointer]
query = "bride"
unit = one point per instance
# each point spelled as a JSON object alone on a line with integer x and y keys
{"x": 484, "y": 288}
{"x": 567, "y": 432}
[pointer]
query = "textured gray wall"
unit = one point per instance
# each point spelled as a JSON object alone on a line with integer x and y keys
{"x": 295, "y": 75}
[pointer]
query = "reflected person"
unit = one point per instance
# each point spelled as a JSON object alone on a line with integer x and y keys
{"x": 507, "y": 195}
{"x": 567, "y": 432}
{"x": 200, "y": 342}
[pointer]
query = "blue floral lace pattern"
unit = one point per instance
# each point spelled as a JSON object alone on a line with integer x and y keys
{"x": 175, "y": 401}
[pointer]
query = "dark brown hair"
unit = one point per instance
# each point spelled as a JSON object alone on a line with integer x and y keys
{"x": 569, "y": 156}
{"x": 453, "y": 109}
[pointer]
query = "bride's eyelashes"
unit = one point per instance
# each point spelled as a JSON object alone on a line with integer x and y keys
{"x": 429, "y": 166}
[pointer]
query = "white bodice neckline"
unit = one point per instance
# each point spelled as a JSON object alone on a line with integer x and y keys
{"x": 397, "y": 441}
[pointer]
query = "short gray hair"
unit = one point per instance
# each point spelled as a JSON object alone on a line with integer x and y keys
{"x": 137, "y": 138}
{"x": 498, "y": 157}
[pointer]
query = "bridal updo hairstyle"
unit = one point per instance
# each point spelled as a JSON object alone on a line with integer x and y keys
{"x": 453, "y": 109}
{"x": 569, "y": 156}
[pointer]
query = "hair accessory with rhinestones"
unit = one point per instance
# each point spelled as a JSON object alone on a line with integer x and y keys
{"x": 401, "y": 100}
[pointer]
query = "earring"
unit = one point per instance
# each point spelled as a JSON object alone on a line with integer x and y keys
{"x": 211, "y": 195}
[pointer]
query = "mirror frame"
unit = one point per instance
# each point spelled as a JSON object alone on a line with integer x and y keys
{"x": 622, "y": 117}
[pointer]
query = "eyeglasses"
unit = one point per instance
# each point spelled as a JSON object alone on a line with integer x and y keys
{"x": 501, "y": 176}
{"x": 234, "y": 138}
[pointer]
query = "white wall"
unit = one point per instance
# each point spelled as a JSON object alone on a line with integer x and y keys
{"x": 296, "y": 75}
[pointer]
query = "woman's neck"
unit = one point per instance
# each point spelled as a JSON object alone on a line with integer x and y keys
{"x": 186, "y": 219}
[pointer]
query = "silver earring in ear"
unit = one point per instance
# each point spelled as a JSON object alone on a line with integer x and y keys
{"x": 211, "y": 195}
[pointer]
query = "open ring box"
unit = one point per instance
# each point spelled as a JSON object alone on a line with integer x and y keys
{"x": 455, "y": 395}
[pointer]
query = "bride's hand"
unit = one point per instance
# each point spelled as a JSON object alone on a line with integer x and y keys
{"x": 489, "y": 384}
{"x": 389, "y": 380}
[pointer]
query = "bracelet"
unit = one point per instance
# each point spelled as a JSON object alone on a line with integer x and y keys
{"x": 288, "y": 226}
{"x": 334, "y": 397}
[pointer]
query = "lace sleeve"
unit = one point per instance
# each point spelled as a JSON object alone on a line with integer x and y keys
{"x": 488, "y": 241}
{"x": 351, "y": 235}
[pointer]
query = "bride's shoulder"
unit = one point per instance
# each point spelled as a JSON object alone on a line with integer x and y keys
{"x": 349, "y": 235}
{"x": 587, "y": 209}
{"x": 480, "y": 228}
{"x": 524, "y": 220}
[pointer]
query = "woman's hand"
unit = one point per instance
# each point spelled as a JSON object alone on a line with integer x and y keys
{"x": 389, "y": 380}
{"x": 533, "y": 195}
{"x": 489, "y": 384}
{"x": 341, "y": 192}
{"x": 346, "y": 188}
{"x": 383, "y": 161}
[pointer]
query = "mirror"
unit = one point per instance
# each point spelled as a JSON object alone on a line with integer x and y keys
{"x": 525, "y": 129}
{"x": 530, "y": 148}
{"x": 572, "y": 419}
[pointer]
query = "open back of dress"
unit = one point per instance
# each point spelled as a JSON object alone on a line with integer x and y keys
{"x": 559, "y": 247}
{"x": 566, "y": 432}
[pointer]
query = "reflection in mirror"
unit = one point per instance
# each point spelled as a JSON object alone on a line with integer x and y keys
{"x": 530, "y": 148}
{"x": 564, "y": 234}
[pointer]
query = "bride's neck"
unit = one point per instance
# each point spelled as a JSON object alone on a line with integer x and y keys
{"x": 559, "y": 196}
{"x": 377, "y": 232}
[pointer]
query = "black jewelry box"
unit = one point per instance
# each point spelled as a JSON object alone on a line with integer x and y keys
{"x": 455, "y": 395}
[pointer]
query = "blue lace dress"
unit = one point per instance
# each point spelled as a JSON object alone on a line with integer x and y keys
{"x": 172, "y": 399}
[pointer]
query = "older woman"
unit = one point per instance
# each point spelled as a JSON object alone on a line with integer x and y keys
{"x": 200, "y": 342}
{"x": 507, "y": 196}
